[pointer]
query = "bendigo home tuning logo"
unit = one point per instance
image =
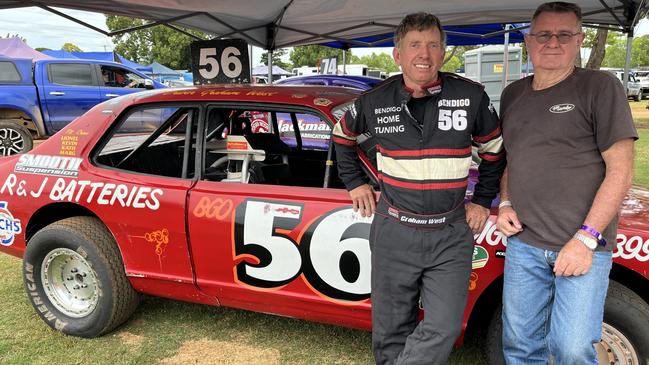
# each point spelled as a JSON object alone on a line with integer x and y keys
{"x": 9, "y": 226}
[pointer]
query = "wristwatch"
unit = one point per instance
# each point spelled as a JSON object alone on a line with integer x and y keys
{"x": 590, "y": 242}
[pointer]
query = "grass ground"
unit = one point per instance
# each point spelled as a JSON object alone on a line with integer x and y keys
{"x": 167, "y": 332}
{"x": 640, "y": 113}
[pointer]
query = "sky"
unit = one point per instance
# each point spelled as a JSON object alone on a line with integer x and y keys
{"x": 44, "y": 29}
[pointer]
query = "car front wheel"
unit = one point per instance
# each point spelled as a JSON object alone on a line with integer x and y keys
{"x": 74, "y": 277}
{"x": 625, "y": 330}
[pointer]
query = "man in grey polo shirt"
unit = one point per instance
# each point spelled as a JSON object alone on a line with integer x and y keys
{"x": 569, "y": 136}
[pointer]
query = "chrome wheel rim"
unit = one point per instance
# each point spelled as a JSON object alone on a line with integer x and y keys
{"x": 615, "y": 348}
{"x": 70, "y": 283}
{"x": 11, "y": 142}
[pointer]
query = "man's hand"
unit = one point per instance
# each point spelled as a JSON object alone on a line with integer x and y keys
{"x": 507, "y": 221}
{"x": 574, "y": 259}
{"x": 364, "y": 200}
{"x": 476, "y": 216}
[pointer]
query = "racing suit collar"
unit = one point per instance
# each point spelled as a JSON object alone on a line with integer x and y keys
{"x": 433, "y": 88}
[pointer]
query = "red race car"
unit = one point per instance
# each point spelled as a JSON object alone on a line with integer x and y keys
{"x": 229, "y": 195}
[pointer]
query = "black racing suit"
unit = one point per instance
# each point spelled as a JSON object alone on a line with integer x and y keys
{"x": 421, "y": 243}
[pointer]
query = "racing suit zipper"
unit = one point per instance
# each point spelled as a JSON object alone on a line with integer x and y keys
{"x": 420, "y": 128}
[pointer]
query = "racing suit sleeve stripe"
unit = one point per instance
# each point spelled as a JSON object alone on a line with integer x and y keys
{"x": 494, "y": 146}
{"x": 344, "y": 141}
{"x": 482, "y": 139}
{"x": 491, "y": 157}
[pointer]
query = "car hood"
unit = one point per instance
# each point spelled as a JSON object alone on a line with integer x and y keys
{"x": 635, "y": 209}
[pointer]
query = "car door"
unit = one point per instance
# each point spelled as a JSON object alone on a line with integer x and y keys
{"x": 69, "y": 90}
{"x": 117, "y": 81}
{"x": 283, "y": 245}
{"x": 145, "y": 160}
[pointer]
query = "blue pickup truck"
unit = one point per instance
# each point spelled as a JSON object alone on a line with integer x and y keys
{"x": 39, "y": 98}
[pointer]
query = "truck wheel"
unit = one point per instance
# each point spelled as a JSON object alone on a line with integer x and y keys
{"x": 639, "y": 96}
{"x": 14, "y": 138}
{"x": 625, "y": 331}
{"x": 74, "y": 277}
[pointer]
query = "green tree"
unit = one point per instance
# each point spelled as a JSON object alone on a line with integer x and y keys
{"x": 41, "y": 49}
{"x": 640, "y": 51}
{"x": 382, "y": 61}
{"x": 615, "y": 50}
{"x": 71, "y": 47}
{"x": 277, "y": 59}
{"x": 311, "y": 55}
{"x": 161, "y": 44}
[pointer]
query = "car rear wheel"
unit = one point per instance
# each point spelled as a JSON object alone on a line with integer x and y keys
{"x": 14, "y": 138}
{"x": 74, "y": 276}
{"x": 639, "y": 96}
{"x": 625, "y": 330}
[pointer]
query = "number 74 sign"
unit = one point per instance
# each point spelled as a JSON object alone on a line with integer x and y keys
{"x": 220, "y": 61}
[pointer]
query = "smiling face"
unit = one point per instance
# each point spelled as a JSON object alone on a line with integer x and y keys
{"x": 552, "y": 55}
{"x": 420, "y": 55}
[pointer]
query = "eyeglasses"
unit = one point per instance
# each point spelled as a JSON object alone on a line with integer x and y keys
{"x": 562, "y": 37}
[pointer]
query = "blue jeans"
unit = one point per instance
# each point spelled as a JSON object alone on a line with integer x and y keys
{"x": 544, "y": 314}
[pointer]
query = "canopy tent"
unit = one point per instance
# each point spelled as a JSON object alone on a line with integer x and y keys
{"x": 275, "y": 24}
{"x": 158, "y": 70}
{"x": 60, "y": 54}
{"x": 455, "y": 36}
{"x": 263, "y": 70}
{"x": 16, "y": 48}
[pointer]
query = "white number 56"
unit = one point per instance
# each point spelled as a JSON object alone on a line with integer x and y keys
{"x": 455, "y": 120}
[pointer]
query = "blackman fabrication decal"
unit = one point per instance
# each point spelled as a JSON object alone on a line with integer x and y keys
{"x": 48, "y": 165}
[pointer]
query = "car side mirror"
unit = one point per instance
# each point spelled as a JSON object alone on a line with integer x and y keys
{"x": 148, "y": 84}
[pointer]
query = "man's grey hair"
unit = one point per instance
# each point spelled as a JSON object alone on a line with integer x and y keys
{"x": 558, "y": 7}
{"x": 419, "y": 22}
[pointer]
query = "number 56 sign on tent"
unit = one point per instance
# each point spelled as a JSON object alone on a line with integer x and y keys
{"x": 220, "y": 61}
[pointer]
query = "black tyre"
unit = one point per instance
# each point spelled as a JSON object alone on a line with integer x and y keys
{"x": 639, "y": 96}
{"x": 625, "y": 331}
{"x": 14, "y": 138}
{"x": 74, "y": 277}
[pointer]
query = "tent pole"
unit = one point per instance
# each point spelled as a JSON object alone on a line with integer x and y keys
{"x": 627, "y": 62}
{"x": 270, "y": 66}
{"x": 344, "y": 62}
{"x": 506, "y": 58}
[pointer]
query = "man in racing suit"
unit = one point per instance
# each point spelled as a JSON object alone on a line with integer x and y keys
{"x": 424, "y": 123}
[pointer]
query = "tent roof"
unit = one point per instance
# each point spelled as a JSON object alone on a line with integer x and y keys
{"x": 263, "y": 70}
{"x": 282, "y": 23}
{"x": 59, "y": 54}
{"x": 160, "y": 70}
{"x": 15, "y": 48}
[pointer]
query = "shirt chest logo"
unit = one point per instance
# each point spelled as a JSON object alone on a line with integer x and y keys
{"x": 561, "y": 108}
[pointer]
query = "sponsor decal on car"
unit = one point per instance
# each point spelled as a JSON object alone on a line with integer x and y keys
{"x": 218, "y": 209}
{"x": 77, "y": 191}
{"x": 48, "y": 165}
{"x": 299, "y": 96}
{"x": 490, "y": 235}
{"x": 322, "y": 101}
{"x": 480, "y": 257}
{"x": 561, "y": 108}
{"x": 631, "y": 248}
{"x": 159, "y": 238}
{"x": 9, "y": 226}
{"x": 473, "y": 281}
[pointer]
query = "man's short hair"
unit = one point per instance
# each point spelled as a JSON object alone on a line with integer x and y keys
{"x": 419, "y": 22}
{"x": 558, "y": 7}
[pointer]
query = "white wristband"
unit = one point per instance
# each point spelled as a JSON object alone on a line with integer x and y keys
{"x": 504, "y": 203}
